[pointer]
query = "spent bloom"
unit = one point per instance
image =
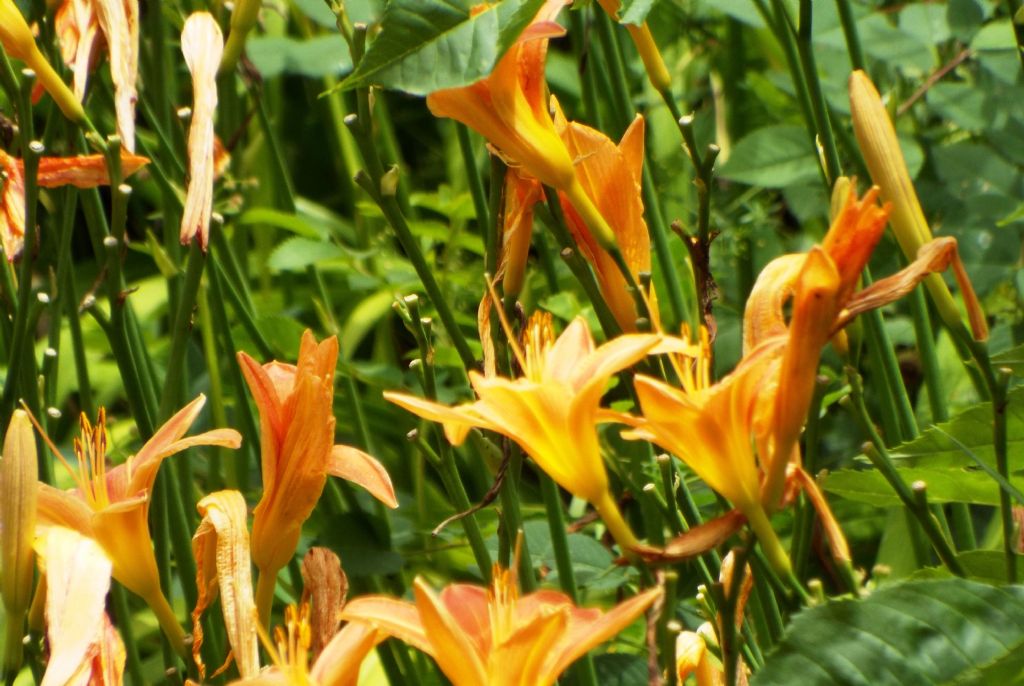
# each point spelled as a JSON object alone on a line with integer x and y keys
{"x": 202, "y": 45}
{"x": 111, "y": 505}
{"x": 81, "y": 171}
{"x": 492, "y": 636}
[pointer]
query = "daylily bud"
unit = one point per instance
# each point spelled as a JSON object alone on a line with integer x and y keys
{"x": 881, "y": 150}
{"x": 18, "y": 42}
{"x": 325, "y": 585}
{"x": 18, "y": 475}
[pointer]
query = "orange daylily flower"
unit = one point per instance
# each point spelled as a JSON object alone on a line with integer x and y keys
{"x": 297, "y": 453}
{"x": 202, "y": 45}
{"x": 494, "y": 637}
{"x": 611, "y": 177}
{"x": 17, "y": 41}
{"x": 82, "y": 171}
{"x": 552, "y": 410}
{"x": 111, "y": 506}
{"x": 510, "y": 110}
{"x": 85, "y": 648}
{"x": 693, "y": 658}
{"x": 337, "y": 665}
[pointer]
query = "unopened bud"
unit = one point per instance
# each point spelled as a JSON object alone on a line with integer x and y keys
{"x": 18, "y": 476}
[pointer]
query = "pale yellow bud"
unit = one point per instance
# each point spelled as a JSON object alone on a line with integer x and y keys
{"x": 19, "y": 473}
{"x": 243, "y": 20}
{"x": 876, "y": 137}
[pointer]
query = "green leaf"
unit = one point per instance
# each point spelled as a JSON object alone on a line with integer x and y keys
{"x": 620, "y": 669}
{"x": 315, "y": 58}
{"x": 774, "y": 157}
{"x": 428, "y": 45}
{"x": 915, "y": 632}
{"x": 635, "y": 11}
{"x": 944, "y": 464}
{"x": 297, "y": 253}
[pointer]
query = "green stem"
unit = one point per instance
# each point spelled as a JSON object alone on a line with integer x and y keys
{"x": 818, "y": 106}
{"x": 851, "y": 34}
{"x": 880, "y": 458}
{"x": 265, "y": 585}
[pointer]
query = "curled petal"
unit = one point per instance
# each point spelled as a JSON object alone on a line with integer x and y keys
{"x": 223, "y": 535}
{"x": 356, "y": 466}
{"x": 202, "y": 45}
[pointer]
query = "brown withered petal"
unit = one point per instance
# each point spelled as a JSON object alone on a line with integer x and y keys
{"x": 697, "y": 540}
{"x": 202, "y": 44}
{"x": 324, "y": 586}
{"x": 221, "y": 549}
{"x": 934, "y": 256}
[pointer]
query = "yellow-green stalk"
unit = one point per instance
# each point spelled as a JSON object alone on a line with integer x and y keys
{"x": 657, "y": 72}
{"x": 18, "y": 42}
{"x": 19, "y": 473}
{"x": 876, "y": 137}
{"x": 243, "y": 20}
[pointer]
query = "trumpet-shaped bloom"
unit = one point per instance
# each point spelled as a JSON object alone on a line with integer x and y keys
{"x": 610, "y": 176}
{"x": 202, "y": 45}
{"x": 552, "y": 410}
{"x": 337, "y": 665}
{"x": 111, "y": 506}
{"x": 82, "y": 171}
{"x": 494, "y": 637}
{"x": 297, "y": 453}
{"x": 17, "y": 41}
{"x": 509, "y": 107}
{"x": 85, "y": 648}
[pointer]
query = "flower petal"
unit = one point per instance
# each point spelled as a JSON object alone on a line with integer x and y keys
{"x": 394, "y": 617}
{"x": 360, "y": 468}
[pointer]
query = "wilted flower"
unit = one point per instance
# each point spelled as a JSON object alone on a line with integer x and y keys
{"x": 221, "y": 549}
{"x": 82, "y": 171}
{"x": 202, "y": 45}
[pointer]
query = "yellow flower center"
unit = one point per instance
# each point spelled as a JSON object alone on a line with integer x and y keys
{"x": 502, "y": 596}
{"x": 291, "y": 655}
{"x": 538, "y": 337}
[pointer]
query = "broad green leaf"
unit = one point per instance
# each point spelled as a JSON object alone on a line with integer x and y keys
{"x": 987, "y": 566}
{"x": 317, "y": 57}
{"x": 951, "y": 474}
{"x": 909, "y": 633}
{"x": 428, "y": 45}
{"x": 635, "y": 11}
{"x": 945, "y": 485}
{"x": 297, "y": 253}
{"x": 1012, "y": 359}
{"x": 774, "y": 157}
{"x": 362, "y": 320}
{"x": 620, "y": 669}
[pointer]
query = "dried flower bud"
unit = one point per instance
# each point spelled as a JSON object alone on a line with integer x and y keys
{"x": 325, "y": 586}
